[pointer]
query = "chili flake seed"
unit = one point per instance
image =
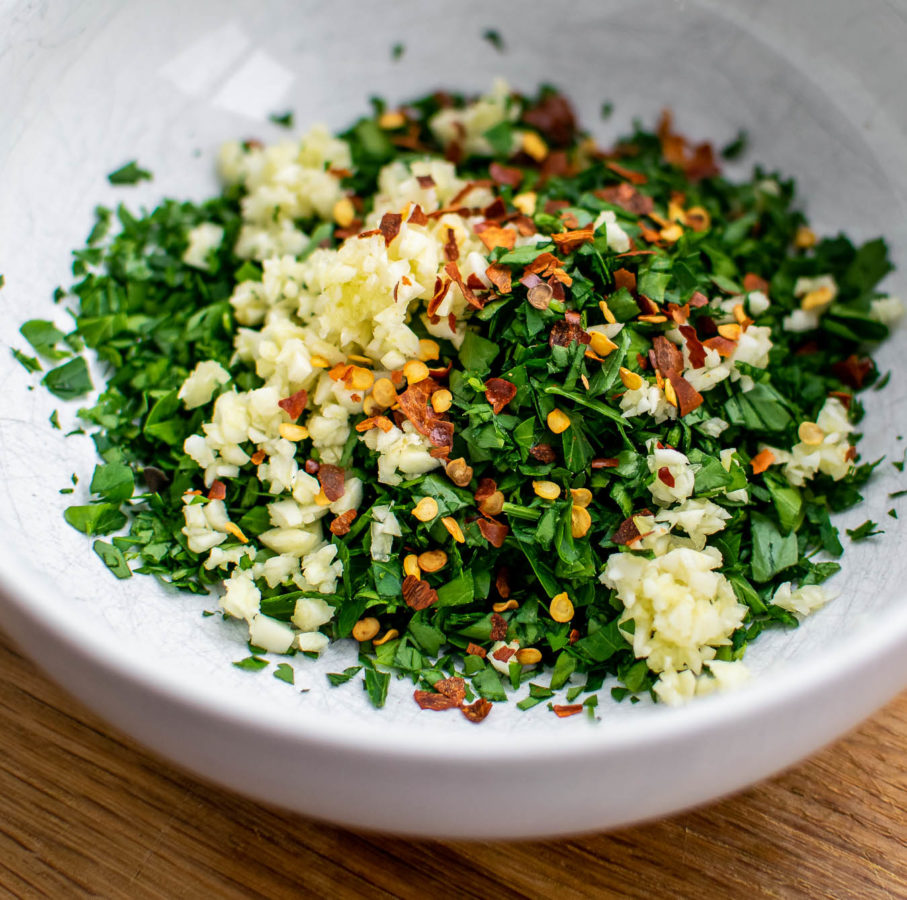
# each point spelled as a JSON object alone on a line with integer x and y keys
{"x": 631, "y": 381}
{"x": 601, "y": 343}
{"x": 292, "y": 432}
{"x": 730, "y": 331}
{"x": 547, "y": 490}
{"x": 540, "y": 296}
{"x": 366, "y": 629}
{"x": 319, "y": 362}
{"x": 580, "y": 521}
{"x": 344, "y": 212}
{"x": 528, "y": 656}
{"x": 432, "y": 561}
{"x": 453, "y": 528}
{"x": 411, "y": 565}
{"x": 493, "y": 504}
{"x": 384, "y": 392}
{"x": 426, "y": 509}
{"x": 388, "y": 636}
{"x": 670, "y": 393}
{"x": 230, "y": 528}
{"x": 810, "y": 433}
{"x": 804, "y": 238}
{"x": 558, "y": 421}
{"x": 429, "y": 350}
{"x": 698, "y": 218}
{"x": 581, "y": 496}
{"x": 561, "y": 608}
{"x": 441, "y": 400}
{"x": 391, "y": 120}
{"x": 534, "y": 146}
{"x": 606, "y": 312}
{"x": 458, "y": 472}
{"x": 505, "y": 605}
{"x": 525, "y": 202}
{"x": 415, "y": 371}
{"x": 816, "y": 299}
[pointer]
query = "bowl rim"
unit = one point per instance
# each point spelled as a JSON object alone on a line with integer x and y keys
{"x": 28, "y": 589}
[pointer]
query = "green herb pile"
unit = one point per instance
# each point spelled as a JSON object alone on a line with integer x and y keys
{"x": 149, "y": 319}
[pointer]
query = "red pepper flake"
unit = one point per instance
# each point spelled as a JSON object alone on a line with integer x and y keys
{"x": 498, "y": 627}
{"x": 553, "y": 118}
{"x": 573, "y": 637}
{"x": 312, "y": 466}
{"x": 853, "y": 370}
{"x": 217, "y": 491}
{"x": 627, "y": 198}
{"x": 475, "y": 282}
{"x": 451, "y": 250}
{"x": 505, "y": 175}
{"x": 294, "y": 405}
{"x": 503, "y": 654}
{"x": 668, "y": 357}
{"x": 417, "y": 216}
{"x": 418, "y": 594}
{"x": 543, "y": 453}
{"x": 851, "y": 453}
{"x": 493, "y": 531}
{"x": 688, "y": 398}
{"x": 502, "y": 582}
{"x": 564, "y": 332}
{"x": 389, "y": 226}
{"x": 470, "y": 186}
{"x": 425, "y": 181}
{"x": 475, "y": 650}
{"x": 431, "y": 700}
{"x": 631, "y": 175}
{"x": 694, "y": 346}
{"x": 665, "y": 476}
{"x": 496, "y": 210}
{"x": 454, "y": 274}
{"x": 624, "y": 278}
{"x": 642, "y": 361}
{"x": 752, "y": 282}
{"x": 722, "y": 345}
{"x": 414, "y": 405}
{"x": 499, "y": 392}
{"x": 494, "y": 236}
{"x": 341, "y": 525}
{"x": 487, "y": 486}
{"x": 626, "y": 533}
{"x": 500, "y": 277}
{"x": 477, "y": 711}
{"x": 604, "y": 462}
{"x": 442, "y": 286}
{"x": 332, "y": 481}
{"x": 843, "y": 396}
{"x": 258, "y": 457}
{"x": 453, "y": 687}
{"x": 568, "y": 241}
{"x": 698, "y": 300}
{"x": 562, "y": 711}
{"x": 697, "y": 161}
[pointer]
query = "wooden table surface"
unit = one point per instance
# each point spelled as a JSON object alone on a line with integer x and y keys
{"x": 84, "y": 811}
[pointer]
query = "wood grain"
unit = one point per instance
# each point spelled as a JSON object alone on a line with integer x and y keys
{"x": 85, "y": 812}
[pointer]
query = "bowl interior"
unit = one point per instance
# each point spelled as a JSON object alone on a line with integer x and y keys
{"x": 166, "y": 83}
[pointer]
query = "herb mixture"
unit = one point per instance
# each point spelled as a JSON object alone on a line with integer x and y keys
{"x": 498, "y": 404}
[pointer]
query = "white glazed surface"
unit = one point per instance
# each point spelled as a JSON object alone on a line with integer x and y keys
{"x": 95, "y": 84}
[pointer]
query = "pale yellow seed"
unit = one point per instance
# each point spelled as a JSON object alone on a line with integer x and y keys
{"x": 384, "y": 392}
{"x": 698, "y": 217}
{"x": 230, "y": 528}
{"x": 458, "y": 472}
{"x": 321, "y": 498}
{"x": 432, "y": 560}
{"x": 355, "y": 357}
{"x": 426, "y": 509}
{"x": 534, "y": 146}
{"x": 492, "y": 504}
{"x": 676, "y": 213}
{"x": 415, "y": 371}
{"x": 371, "y": 407}
{"x": 344, "y": 212}
{"x": 672, "y": 233}
{"x": 393, "y": 633}
{"x": 580, "y": 521}
{"x": 805, "y": 238}
{"x": 561, "y": 609}
{"x": 816, "y": 299}
{"x": 810, "y": 433}
{"x": 731, "y": 331}
{"x": 366, "y": 629}
{"x": 292, "y": 432}
{"x": 453, "y": 527}
{"x": 360, "y": 378}
{"x": 411, "y": 565}
{"x": 391, "y": 119}
{"x": 525, "y": 202}
{"x": 547, "y": 490}
{"x": 429, "y": 350}
{"x": 581, "y": 496}
{"x": 505, "y": 605}
{"x": 740, "y": 314}
{"x": 601, "y": 343}
{"x": 441, "y": 400}
{"x": 558, "y": 421}
{"x": 631, "y": 381}
{"x": 528, "y": 656}
{"x": 319, "y": 362}
{"x": 670, "y": 393}
{"x": 606, "y": 312}
{"x": 653, "y": 319}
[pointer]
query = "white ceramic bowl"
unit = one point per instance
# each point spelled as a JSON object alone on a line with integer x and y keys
{"x": 89, "y": 85}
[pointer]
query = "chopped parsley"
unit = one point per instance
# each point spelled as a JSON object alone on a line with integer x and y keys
{"x": 130, "y": 173}
{"x": 866, "y": 530}
{"x": 284, "y": 119}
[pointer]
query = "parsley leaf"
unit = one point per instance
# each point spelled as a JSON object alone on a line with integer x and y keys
{"x": 130, "y": 173}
